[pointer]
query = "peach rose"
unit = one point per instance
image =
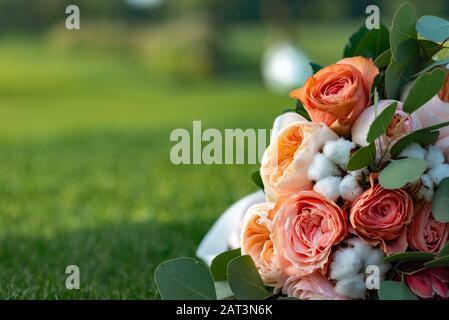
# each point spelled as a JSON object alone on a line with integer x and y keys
{"x": 287, "y": 160}
{"x": 381, "y": 216}
{"x": 305, "y": 228}
{"x": 312, "y": 287}
{"x": 256, "y": 241}
{"x": 424, "y": 233}
{"x": 337, "y": 94}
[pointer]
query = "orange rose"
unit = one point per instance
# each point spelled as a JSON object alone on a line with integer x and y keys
{"x": 256, "y": 241}
{"x": 381, "y": 216}
{"x": 337, "y": 94}
{"x": 305, "y": 228}
{"x": 424, "y": 233}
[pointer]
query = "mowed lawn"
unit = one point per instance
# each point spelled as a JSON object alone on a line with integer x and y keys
{"x": 85, "y": 174}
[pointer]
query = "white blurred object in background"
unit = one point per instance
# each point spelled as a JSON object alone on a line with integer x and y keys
{"x": 285, "y": 67}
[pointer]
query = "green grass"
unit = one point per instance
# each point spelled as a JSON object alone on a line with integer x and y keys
{"x": 85, "y": 176}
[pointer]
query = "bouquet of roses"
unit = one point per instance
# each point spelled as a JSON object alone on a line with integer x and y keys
{"x": 356, "y": 182}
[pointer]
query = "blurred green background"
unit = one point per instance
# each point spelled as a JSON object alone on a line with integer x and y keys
{"x": 85, "y": 120}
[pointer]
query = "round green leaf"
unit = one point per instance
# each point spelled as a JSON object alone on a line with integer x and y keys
{"x": 425, "y": 88}
{"x": 393, "y": 290}
{"x": 219, "y": 265}
{"x": 440, "y": 202}
{"x": 373, "y": 43}
{"x": 400, "y": 172}
{"x": 384, "y": 59}
{"x": 403, "y": 36}
{"x": 432, "y": 65}
{"x": 354, "y": 40}
{"x": 362, "y": 158}
{"x": 381, "y": 123}
{"x": 438, "y": 262}
{"x": 245, "y": 281}
{"x": 433, "y": 28}
{"x": 422, "y": 137}
{"x": 184, "y": 279}
{"x": 409, "y": 256}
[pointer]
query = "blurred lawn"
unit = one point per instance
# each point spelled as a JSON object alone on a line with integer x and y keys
{"x": 85, "y": 176}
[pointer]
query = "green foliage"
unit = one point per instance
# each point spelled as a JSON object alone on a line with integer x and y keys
{"x": 368, "y": 43}
{"x": 440, "y": 202}
{"x": 184, "y": 279}
{"x": 219, "y": 266}
{"x": 425, "y": 88}
{"x": 257, "y": 179}
{"x": 442, "y": 261}
{"x": 362, "y": 158}
{"x": 401, "y": 172}
{"x": 409, "y": 256}
{"x": 422, "y": 137}
{"x": 382, "y": 122}
{"x": 245, "y": 281}
{"x": 315, "y": 67}
{"x": 395, "y": 290}
{"x": 433, "y": 28}
{"x": 444, "y": 251}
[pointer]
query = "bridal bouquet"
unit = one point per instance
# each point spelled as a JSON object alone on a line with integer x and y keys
{"x": 356, "y": 182}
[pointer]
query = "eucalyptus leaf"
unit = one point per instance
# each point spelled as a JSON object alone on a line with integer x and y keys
{"x": 382, "y": 122}
{"x": 401, "y": 172}
{"x": 315, "y": 67}
{"x": 422, "y": 137}
{"x": 184, "y": 279}
{"x": 397, "y": 75}
{"x": 373, "y": 43}
{"x": 409, "y": 256}
{"x": 219, "y": 265}
{"x": 440, "y": 202}
{"x": 384, "y": 59}
{"x": 438, "y": 262}
{"x": 362, "y": 158}
{"x": 433, "y": 28}
{"x": 429, "y": 48}
{"x": 394, "y": 290}
{"x": 354, "y": 40}
{"x": 403, "y": 36}
{"x": 432, "y": 65}
{"x": 245, "y": 281}
{"x": 424, "y": 88}
{"x": 257, "y": 179}
{"x": 444, "y": 251}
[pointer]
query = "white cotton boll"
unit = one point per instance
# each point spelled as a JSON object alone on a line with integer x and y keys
{"x": 338, "y": 151}
{"x": 434, "y": 157}
{"x": 376, "y": 258}
{"x": 414, "y": 150}
{"x": 359, "y": 173}
{"x": 426, "y": 189}
{"x": 349, "y": 188}
{"x": 321, "y": 168}
{"x": 439, "y": 173}
{"x": 353, "y": 287}
{"x": 346, "y": 264}
{"x": 328, "y": 188}
{"x": 362, "y": 248}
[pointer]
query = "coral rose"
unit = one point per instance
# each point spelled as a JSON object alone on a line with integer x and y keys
{"x": 305, "y": 228}
{"x": 424, "y": 233}
{"x": 337, "y": 94}
{"x": 256, "y": 241}
{"x": 287, "y": 160}
{"x": 382, "y": 216}
{"x": 312, "y": 287}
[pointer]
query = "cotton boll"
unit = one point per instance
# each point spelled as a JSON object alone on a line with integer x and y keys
{"x": 338, "y": 151}
{"x": 426, "y": 189}
{"x": 376, "y": 258}
{"x": 321, "y": 168}
{"x": 346, "y": 264}
{"x": 353, "y": 287}
{"x": 349, "y": 188}
{"x": 359, "y": 173}
{"x": 328, "y": 188}
{"x": 434, "y": 157}
{"x": 362, "y": 248}
{"x": 439, "y": 173}
{"x": 414, "y": 150}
